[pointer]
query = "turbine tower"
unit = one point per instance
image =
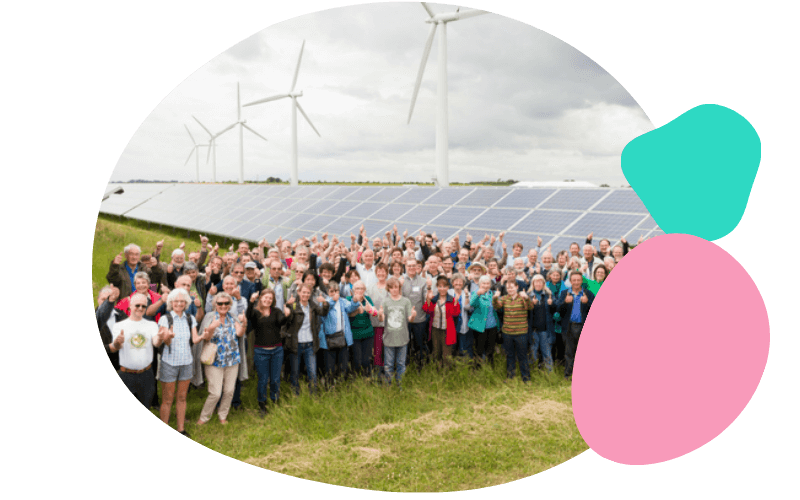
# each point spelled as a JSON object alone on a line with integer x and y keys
{"x": 442, "y": 168}
{"x": 242, "y": 125}
{"x": 295, "y": 106}
{"x": 194, "y": 152}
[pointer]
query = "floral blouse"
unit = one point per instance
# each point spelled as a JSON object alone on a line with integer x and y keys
{"x": 227, "y": 343}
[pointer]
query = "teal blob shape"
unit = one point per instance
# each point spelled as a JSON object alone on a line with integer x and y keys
{"x": 695, "y": 173}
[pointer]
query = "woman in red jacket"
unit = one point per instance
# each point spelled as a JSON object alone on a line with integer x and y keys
{"x": 442, "y": 314}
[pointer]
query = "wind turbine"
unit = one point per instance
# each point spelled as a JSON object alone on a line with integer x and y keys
{"x": 295, "y": 106}
{"x": 212, "y": 146}
{"x": 194, "y": 152}
{"x": 442, "y": 168}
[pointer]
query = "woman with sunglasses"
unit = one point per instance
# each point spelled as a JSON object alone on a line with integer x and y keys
{"x": 224, "y": 331}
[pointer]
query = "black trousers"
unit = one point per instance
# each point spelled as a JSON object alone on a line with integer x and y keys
{"x": 484, "y": 343}
{"x": 573, "y": 335}
{"x": 141, "y": 385}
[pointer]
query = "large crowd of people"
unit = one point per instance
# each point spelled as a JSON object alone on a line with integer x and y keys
{"x": 339, "y": 310}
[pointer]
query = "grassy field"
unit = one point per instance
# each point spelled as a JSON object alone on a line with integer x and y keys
{"x": 446, "y": 430}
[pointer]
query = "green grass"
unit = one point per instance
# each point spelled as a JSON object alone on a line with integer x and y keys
{"x": 446, "y": 430}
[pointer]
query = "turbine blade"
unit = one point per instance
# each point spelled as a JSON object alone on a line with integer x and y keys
{"x": 253, "y": 131}
{"x": 300, "y": 108}
{"x": 225, "y": 129}
{"x": 208, "y": 156}
{"x": 471, "y": 13}
{"x": 190, "y": 134}
{"x": 238, "y": 104}
{"x": 190, "y": 155}
{"x": 204, "y": 127}
{"x": 267, "y": 99}
{"x": 425, "y": 54}
{"x": 427, "y": 9}
{"x": 297, "y": 68}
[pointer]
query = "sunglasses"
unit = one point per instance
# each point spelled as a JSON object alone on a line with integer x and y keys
{"x": 137, "y": 306}
{"x": 223, "y": 303}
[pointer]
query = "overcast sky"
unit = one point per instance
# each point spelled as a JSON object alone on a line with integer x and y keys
{"x": 522, "y": 104}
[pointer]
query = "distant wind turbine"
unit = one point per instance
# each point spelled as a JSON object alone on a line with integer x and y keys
{"x": 194, "y": 152}
{"x": 212, "y": 146}
{"x": 295, "y": 106}
{"x": 442, "y": 167}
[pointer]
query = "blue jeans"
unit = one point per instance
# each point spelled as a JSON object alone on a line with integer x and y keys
{"x": 516, "y": 348}
{"x": 305, "y": 350}
{"x": 465, "y": 343}
{"x": 268, "y": 367}
{"x": 394, "y": 356}
{"x": 541, "y": 343}
{"x": 362, "y": 350}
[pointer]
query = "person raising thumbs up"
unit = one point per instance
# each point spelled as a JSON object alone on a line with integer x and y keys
{"x": 134, "y": 339}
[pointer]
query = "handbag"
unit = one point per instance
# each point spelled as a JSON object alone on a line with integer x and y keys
{"x": 209, "y": 354}
{"x": 337, "y": 340}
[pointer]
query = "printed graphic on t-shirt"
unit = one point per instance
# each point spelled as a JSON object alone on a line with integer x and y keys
{"x": 137, "y": 340}
{"x": 395, "y": 319}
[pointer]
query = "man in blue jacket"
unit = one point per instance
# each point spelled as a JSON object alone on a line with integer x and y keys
{"x": 573, "y": 305}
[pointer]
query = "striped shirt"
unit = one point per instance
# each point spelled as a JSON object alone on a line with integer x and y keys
{"x": 515, "y": 315}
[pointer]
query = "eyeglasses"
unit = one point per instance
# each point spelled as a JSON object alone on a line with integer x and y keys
{"x": 223, "y": 303}
{"x": 237, "y": 272}
{"x": 137, "y": 306}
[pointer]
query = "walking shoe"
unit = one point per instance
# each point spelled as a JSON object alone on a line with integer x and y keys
{"x": 184, "y": 433}
{"x": 262, "y": 409}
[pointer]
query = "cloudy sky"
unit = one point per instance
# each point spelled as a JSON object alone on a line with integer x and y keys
{"x": 522, "y": 104}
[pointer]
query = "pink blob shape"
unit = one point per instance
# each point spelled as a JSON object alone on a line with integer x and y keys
{"x": 667, "y": 361}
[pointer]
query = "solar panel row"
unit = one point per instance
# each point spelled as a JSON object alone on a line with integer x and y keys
{"x": 251, "y": 212}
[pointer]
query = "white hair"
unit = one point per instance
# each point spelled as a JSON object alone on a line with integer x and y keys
{"x": 485, "y": 279}
{"x": 175, "y": 294}
{"x": 132, "y": 246}
{"x": 177, "y": 251}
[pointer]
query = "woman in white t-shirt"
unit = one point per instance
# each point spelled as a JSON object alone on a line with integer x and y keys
{"x": 176, "y": 356}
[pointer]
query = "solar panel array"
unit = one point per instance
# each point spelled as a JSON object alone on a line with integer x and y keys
{"x": 251, "y": 212}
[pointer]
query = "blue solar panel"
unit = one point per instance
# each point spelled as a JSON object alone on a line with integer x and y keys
{"x": 497, "y": 219}
{"x": 319, "y": 207}
{"x": 525, "y": 198}
{"x": 608, "y": 225}
{"x": 363, "y": 193}
{"x": 340, "y": 208}
{"x": 528, "y": 241}
{"x": 457, "y": 216}
{"x": 297, "y": 220}
{"x": 575, "y": 199}
{"x": 655, "y": 233}
{"x": 649, "y": 223}
{"x": 447, "y": 196}
{"x": 387, "y": 195}
{"x": 391, "y": 212}
{"x": 416, "y": 195}
{"x": 364, "y": 210}
{"x": 483, "y": 197}
{"x": 546, "y": 221}
{"x": 621, "y": 200}
{"x": 422, "y": 214}
{"x": 343, "y": 226}
{"x": 318, "y": 222}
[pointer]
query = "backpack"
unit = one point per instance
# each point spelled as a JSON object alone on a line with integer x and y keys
{"x": 189, "y": 318}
